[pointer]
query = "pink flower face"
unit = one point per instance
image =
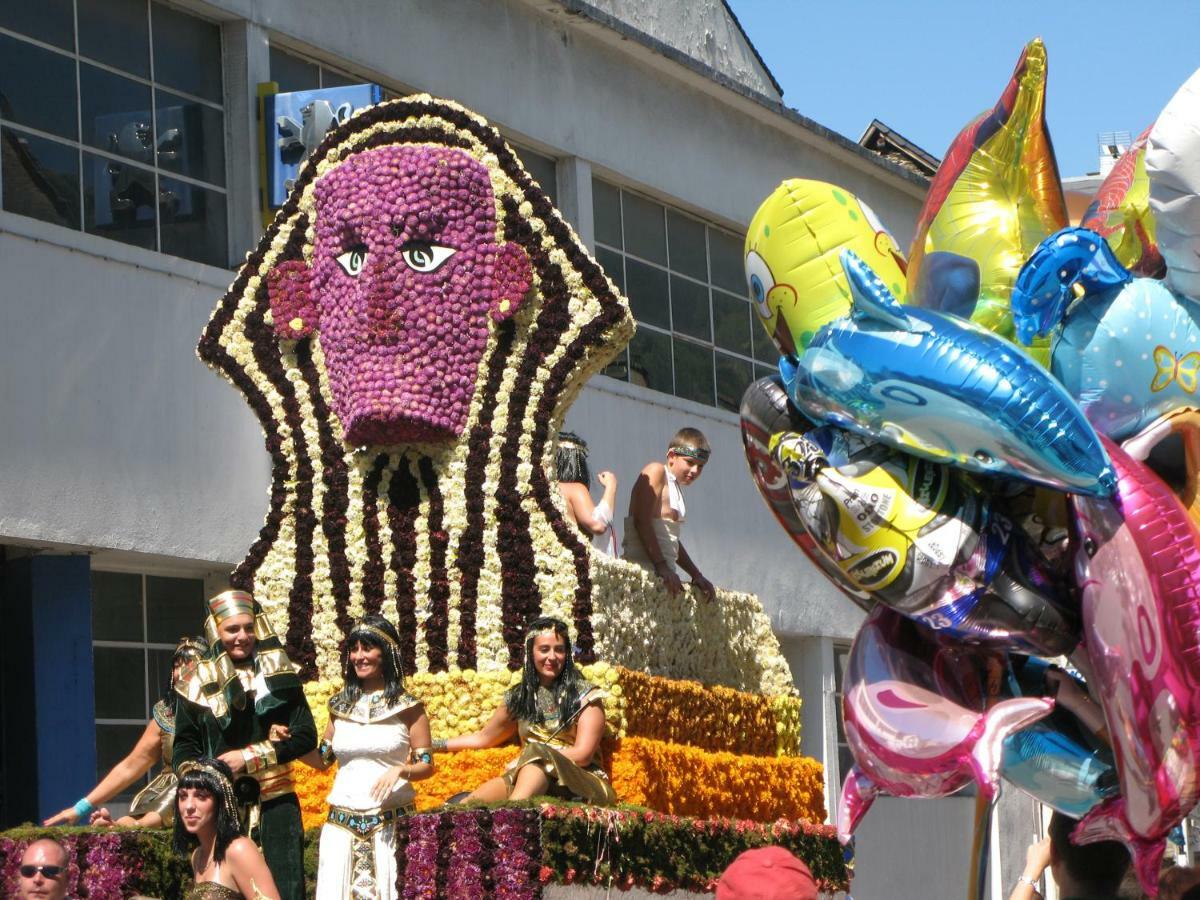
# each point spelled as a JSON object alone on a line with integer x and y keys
{"x": 405, "y": 273}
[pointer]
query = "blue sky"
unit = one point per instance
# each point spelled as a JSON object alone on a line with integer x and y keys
{"x": 926, "y": 67}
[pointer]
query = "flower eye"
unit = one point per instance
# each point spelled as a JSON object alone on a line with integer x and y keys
{"x": 426, "y": 257}
{"x": 353, "y": 260}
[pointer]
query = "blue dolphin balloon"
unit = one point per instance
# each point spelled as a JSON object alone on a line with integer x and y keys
{"x": 1127, "y": 348}
{"x": 939, "y": 387}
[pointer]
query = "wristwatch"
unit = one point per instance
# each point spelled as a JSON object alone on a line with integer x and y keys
{"x": 1025, "y": 879}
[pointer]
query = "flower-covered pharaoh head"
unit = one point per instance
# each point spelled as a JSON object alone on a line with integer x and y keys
{"x": 405, "y": 273}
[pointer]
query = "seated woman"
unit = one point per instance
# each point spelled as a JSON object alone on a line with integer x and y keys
{"x": 225, "y": 865}
{"x": 379, "y": 736}
{"x": 559, "y": 719}
{"x": 575, "y": 485}
{"x": 154, "y": 805}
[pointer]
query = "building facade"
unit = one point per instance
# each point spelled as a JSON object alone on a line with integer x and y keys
{"x": 132, "y": 479}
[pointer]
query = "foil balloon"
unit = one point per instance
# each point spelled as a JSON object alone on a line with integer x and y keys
{"x": 1182, "y": 475}
{"x": 934, "y": 386}
{"x": 995, "y": 196}
{"x": 916, "y": 720}
{"x": 1127, "y": 348}
{"x": 924, "y": 540}
{"x": 1120, "y": 213}
{"x": 1056, "y": 760}
{"x": 791, "y": 256}
{"x": 765, "y": 411}
{"x": 1173, "y": 166}
{"x": 1138, "y": 565}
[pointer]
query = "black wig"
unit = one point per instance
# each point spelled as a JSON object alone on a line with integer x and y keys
{"x": 228, "y": 828}
{"x": 521, "y": 700}
{"x": 570, "y": 459}
{"x": 361, "y": 633}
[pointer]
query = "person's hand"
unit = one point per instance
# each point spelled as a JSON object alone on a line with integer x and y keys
{"x": 669, "y": 578}
{"x": 101, "y": 818}
{"x": 387, "y": 781}
{"x": 278, "y": 732}
{"x": 1037, "y": 859}
{"x": 704, "y": 586}
{"x": 66, "y": 817}
{"x": 606, "y": 478}
{"x": 1064, "y": 688}
{"x": 234, "y": 759}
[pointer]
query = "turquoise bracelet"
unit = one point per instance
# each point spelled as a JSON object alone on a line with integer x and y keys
{"x": 83, "y": 807}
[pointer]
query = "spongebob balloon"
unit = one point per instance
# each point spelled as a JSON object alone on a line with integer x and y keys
{"x": 793, "y": 268}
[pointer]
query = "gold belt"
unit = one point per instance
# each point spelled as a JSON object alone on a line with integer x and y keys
{"x": 274, "y": 781}
{"x": 364, "y": 824}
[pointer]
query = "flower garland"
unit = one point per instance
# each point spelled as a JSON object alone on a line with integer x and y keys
{"x": 344, "y": 530}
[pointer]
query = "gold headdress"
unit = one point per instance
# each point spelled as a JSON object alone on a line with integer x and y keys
{"x": 231, "y": 603}
{"x": 226, "y": 786}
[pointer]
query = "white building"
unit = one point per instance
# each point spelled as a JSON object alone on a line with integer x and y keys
{"x": 132, "y": 479}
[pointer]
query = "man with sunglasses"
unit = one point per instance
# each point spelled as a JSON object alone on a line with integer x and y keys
{"x": 44, "y": 870}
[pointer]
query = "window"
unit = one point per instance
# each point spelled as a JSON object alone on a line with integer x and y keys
{"x": 111, "y": 122}
{"x": 845, "y": 760}
{"x": 697, "y": 336}
{"x": 136, "y": 622}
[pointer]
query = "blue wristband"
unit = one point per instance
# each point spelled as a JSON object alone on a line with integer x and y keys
{"x": 84, "y": 807}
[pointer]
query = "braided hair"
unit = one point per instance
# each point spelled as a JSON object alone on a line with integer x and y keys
{"x": 367, "y": 631}
{"x": 521, "y": 699}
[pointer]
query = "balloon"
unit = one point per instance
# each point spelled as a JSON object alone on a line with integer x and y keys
{"x": 1120, "y": 213}
{"x": 1127, "y": 348}
{"x": 934, "y": 386}
{"x": 915, "y": 718}
{"x": 792, "y": 266}
{"x": 1185, "y": 480}
{"x": 765, "y": 411}
{"x": 922, "y": 539}
{"x": 1173, "y": 166}
{"x": 995, "y": 195}
{"x": 1056, "y": 760}
{"x": 1138, "y": 564}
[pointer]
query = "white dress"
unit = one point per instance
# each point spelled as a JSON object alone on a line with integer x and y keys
{"x": 357, "y": 856}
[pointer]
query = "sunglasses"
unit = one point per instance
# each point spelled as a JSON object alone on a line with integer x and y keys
{"x": 48, "y": 871}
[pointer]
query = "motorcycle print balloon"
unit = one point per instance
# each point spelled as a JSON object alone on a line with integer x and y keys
{"x": 916, "y": 720}
{"x": 923, "y": 539}
{"x": 933, "y": 385}
{"x": 1138, "y": 566}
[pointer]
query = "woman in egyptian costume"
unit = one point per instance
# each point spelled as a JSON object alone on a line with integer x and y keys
{"x": 230, "y": 701}
{"x": 379, "y": 736}
{"x": 154, "y": 805}
{"x": 558, "y": 718}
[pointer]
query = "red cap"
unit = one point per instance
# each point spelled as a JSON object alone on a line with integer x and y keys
{"x": 767, "y": 873}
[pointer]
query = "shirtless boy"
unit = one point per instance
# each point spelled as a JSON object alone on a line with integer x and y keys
{"x": 657, "y": 513}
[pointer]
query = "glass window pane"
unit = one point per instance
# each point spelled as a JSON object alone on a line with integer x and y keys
{"x": 650, "y": 360}
{"x": 38, "y": 88}
{"x": 330, "y": 78}
{"x": 292, "y": 73}
{"x": 728, "y": 270}
{"x": 118, "y": 201}
{"x": 120, "y": 683}
{"x": 52, "y": 21}
{"x": 159, "y": 662}
{"x": 619, "y": 367}
{"x": 765, "y": 371}
{"x": 686, "y": 238}
{"x": 613, "y": 266}
{"x": 647, "y": 290}
{"x": 606, "y": 213}
{"x": 116, "y": 32}
{"x": 117, "y": 607}
{"x": 194, "y": 223}
{"x": 115, "y": 114}
{"x": 689, "y": 308}
{"x": 765, "y": 350}
{"x": 543, "y": 169}
{"x": 693, "y": 372}
{"x": 174, "y": 608}
{"x": 191, "y": 138}
{"x": 733, "y": 377}
{"x": 40, "y": 177}
{"x": 731, "y": 323}
{"x": 113, "y": 743}
{"x": 187, "y": 52}
{"x": 645, "y": 231}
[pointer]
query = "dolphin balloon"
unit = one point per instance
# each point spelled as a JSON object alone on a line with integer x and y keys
{"x": 936, "y": 386}
{"x": 915, "y": 718}
{"x": 1138, "y": 565}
